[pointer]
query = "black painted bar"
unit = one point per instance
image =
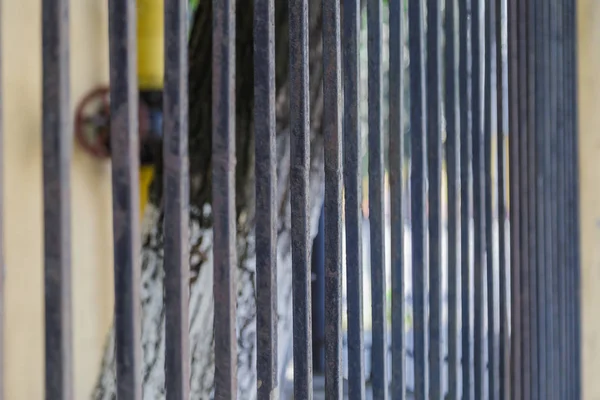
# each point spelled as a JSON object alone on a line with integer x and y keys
{"x": 332, "y": 129}
{"x": 453, "y": 160}
{"x": 176, "y": 202}
{"x": 223, "y": 198}
{"x": 396, "y": 166}
{"x": 488, "y": 221}
{"x": 516, "y": 315}
{"x": 353, "y": 196}
{"x": 477, "y": 164}
{"x": 299, "y": 180}
{"x": 434, "y": 170}
{"x": 465, "y": 196}
{"x": 266, "y": 197}
{"x": 57, "y": 150}
{"x": 125, "y": 182}
{"x": 525, "y": 186}
{"x": 418, "y": 124}
{"x": 501, "y": 131}
{"x": 376, "y": 192}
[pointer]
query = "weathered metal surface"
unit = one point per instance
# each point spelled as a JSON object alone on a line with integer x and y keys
{"x": 57, "y": 150}
{"x": 299, "y": 181}
{"x": 397, "y": 197}
{"x": 418, "y": 124}
{"x": 223, "y": 201}
{"x": 176, "y": 202}
{"x": 352, "y": 198}
{"x": 125, "y": 179}
{"x": 266, "y": 208}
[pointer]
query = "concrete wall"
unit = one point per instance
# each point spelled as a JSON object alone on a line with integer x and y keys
{"x": 91, "y": 220}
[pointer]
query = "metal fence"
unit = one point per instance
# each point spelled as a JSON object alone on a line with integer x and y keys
{"x": 513, "y": 331}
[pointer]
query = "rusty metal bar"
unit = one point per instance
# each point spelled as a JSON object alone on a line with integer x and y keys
{"x": 398, "y": 219}
{"x": 418, "y": 124}
{"x": 353, "y": 193}
{"x": 332, "y": 129}
{"x": 266, "y": 197}
{"x": 57, "y": 149}
{"x": 501, "y": 133}
{"x": 376, "y": 192}
{"x": 125, "y": 179}
{"x": 223, "y": 201}
{"x": 464, "y": 9}
{"x": 453, "y": 160}
{"x": 434, "y": 171}
{"x": 176, "y": 202}
{"x": 300, "y": 159}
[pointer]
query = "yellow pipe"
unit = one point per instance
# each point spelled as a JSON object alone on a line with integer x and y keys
{"x": 150, "y": 44}
{"x": 150, "y": 68}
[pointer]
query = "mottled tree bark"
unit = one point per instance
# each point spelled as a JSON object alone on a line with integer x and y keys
{"x": 201, "y": 290}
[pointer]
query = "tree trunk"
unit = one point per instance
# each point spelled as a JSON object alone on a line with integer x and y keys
{"x": 201, "y": 290}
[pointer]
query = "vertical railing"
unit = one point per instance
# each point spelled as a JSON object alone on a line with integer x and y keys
{"x": 125, "y": 164}
{"x": 299, "y": 181}
{"x": 176, "y": 201}
{"x": 352, "y": 198}
{"x": 512, "y": 318}
{"x": 57, "y": 147}
{"x": 266, "y": 175}
{"x": 223, "y": 196}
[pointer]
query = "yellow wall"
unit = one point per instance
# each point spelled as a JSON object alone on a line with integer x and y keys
{"x": 589, "y": 149}
{"x": 91, "y": 220}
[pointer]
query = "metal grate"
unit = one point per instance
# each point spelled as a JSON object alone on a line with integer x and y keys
{"x": 495, "y": 316}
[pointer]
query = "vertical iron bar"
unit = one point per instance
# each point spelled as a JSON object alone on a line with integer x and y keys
{"x": 353, "y": 192}
{"x": 524, "y": 200}
{"x": 575, "y": 194}
{"x": 539, "y": 106}
{"x": 332, "y": 127}
{"x": 418, "y": 126}
{"x": 176, "y": 202}
{"x": 453, "y": 170}
{"x": 478, "y": 197}
{"x": 514, "y": 135}
{"x": 434, "y": 169}
{"x": 465, "y": 139}
{"x": 396, "y": 165}
{"x": 488, "y": 222}
{"x": 266, "y": 198}
{"x": 300, "y": 159}
{"x": 501, "y": 121}
{"x": 554, "y": 71}
{"x": 125, "y": 178}
{"x": 561, "y": 370}
{"x": 535, "y": 173}
{"x": 57, "y": 199}
{"x": 376, "y": 211}
{"x": 223, "y": 149}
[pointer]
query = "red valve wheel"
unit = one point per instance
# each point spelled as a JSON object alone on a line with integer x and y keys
{"x": 92, "y": 122}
